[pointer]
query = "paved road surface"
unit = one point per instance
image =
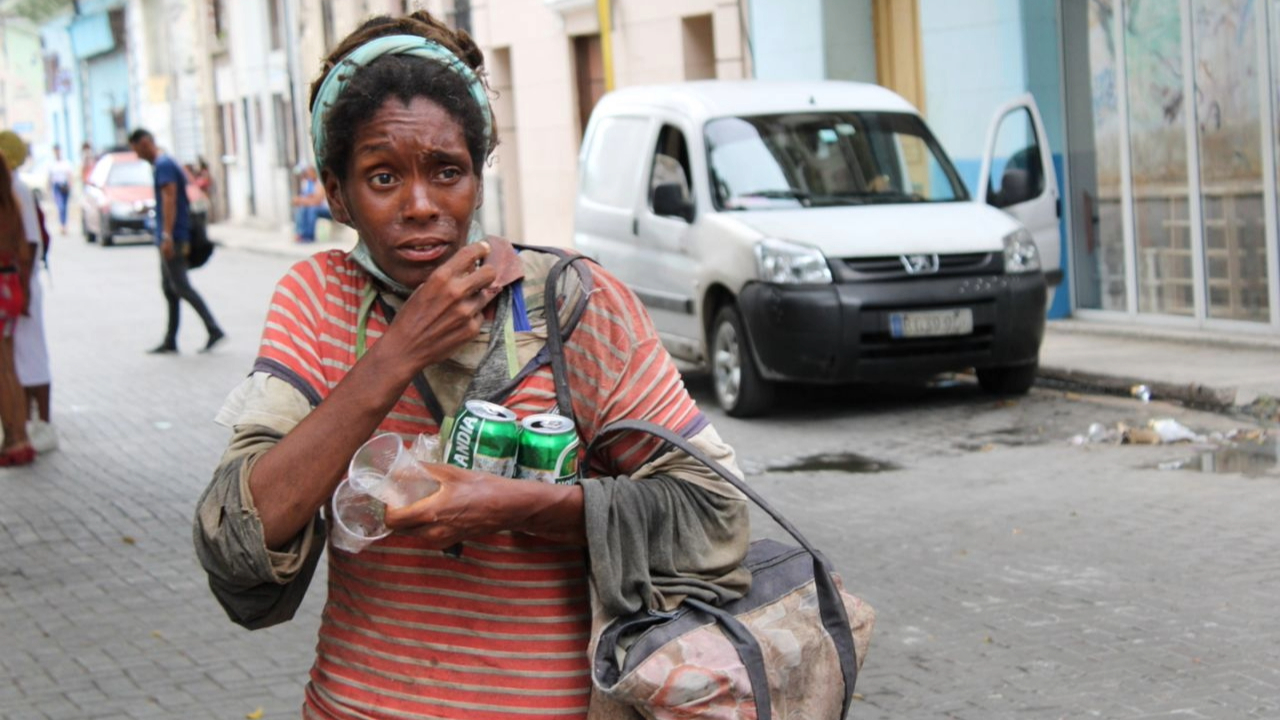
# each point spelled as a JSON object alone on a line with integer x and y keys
{"x": 1015, "y": 576}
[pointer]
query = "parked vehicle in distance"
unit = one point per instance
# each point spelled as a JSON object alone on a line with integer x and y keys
{"x": 120, "y": 199}
{"x": 817, "y": 232}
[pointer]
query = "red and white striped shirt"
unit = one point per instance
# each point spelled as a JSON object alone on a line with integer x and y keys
{"x": 502, "y": 631}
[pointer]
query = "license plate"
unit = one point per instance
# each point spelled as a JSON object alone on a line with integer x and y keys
{"x": 932, "y": 323}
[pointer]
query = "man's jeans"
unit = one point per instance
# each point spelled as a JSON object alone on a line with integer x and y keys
{"x": 177, "y": 286}
{"x": 305, "y": 219}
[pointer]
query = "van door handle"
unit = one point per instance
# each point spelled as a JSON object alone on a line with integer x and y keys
{"x": 635, "y": 226}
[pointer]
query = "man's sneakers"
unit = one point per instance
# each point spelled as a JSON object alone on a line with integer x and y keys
{"x": 168, "y": 348}
{"x": 43, "y": 436}
{"x": 215, "y": 337}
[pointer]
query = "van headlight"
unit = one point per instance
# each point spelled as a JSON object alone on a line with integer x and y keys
{"x": 1020, "y": 253}
{"x": 780, "y": 261}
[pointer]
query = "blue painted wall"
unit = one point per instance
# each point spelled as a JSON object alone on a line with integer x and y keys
{"x": 978, "y": 55}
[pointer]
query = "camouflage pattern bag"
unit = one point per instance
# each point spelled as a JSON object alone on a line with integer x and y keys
{"x": 790, "y": 649}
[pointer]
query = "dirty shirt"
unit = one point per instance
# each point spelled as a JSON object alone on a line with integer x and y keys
{"x": 503, "y": 630}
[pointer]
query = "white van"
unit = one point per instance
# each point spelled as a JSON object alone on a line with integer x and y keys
{"x": 817, "y": 232}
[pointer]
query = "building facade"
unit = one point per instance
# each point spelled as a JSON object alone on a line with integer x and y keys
{"x": 546, "y": 63}
{"x": 86, "y": 79}
{"x": 21, "y": 79}
{"x": 1163, "y": 118}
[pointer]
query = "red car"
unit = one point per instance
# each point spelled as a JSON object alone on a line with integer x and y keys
{"x": 120, "y": 198}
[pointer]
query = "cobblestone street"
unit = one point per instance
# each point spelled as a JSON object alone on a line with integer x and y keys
{"x": 1015, "y": 575}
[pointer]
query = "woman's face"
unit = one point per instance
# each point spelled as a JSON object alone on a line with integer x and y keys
{"x": 410, "y": 188}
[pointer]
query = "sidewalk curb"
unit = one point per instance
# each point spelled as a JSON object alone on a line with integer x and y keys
{"x": 1193, "y": 394}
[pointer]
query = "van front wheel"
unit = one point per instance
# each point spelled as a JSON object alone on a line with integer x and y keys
{"x": 739, "y": 388}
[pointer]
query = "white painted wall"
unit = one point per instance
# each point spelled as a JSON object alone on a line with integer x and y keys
{"x": 849, "y": 40}
{"x": 648, "y": 48}
{"x": 788, "y": 39}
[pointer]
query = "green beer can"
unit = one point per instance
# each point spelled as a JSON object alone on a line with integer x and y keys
{"x": 548, "y": 450}
{"x": 485, "y": 436}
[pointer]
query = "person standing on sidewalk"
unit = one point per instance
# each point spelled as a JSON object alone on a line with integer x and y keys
{"x": 30, "y": 349}
{"x": 15, "y": 275}
{"x": 309, "y": 206}
{"x": 60, "y": 185}
{"x": 173, "y": 235}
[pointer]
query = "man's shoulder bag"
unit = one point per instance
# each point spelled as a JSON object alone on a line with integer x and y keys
{"x": 791, "y": 648}
{"x": 201, "y": 248}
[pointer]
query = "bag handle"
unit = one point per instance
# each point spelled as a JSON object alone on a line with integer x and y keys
{"x": 556, "y": 337}
{"x": 830, "y": 607}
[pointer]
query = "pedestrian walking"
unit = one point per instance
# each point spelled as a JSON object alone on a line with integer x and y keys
{"x": 87, "y": 161}
{"x": 173, "y": 236}
{"x": 30, "y": 347}
{"x": 60, "y": 172}
{"x": 394, "y": 336}
{"x": 16, "y": 261}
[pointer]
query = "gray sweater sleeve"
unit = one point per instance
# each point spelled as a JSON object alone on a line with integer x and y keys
{"x": 674, "y": 530}
{"x": 257, "y": 587}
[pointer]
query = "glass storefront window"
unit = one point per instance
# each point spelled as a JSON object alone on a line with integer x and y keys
{"x": 1101, "y": 277}
{"x": 1229, "y": 126}
{"x": 1158, "y": 157}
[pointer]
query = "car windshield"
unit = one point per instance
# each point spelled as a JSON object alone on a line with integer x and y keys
{"x": 131, "y": 172}
{"x": 823, "y": 159}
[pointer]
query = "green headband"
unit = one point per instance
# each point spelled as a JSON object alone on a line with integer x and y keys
{"x": 336, "y": 81}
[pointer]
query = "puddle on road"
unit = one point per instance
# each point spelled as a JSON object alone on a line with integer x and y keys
{"x": 1250, "y": 460}
{"x": 1004, "y": 437}
{"x": 835, "y": 462}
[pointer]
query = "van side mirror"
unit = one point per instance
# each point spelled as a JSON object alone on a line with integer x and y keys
{"x": 668, "y": 201}
{"x": 1015, "y": 187}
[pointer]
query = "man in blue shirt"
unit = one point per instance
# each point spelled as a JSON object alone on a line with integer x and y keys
{"x": 173, "y": 235}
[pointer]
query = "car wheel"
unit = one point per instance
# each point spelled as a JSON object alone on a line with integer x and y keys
{"x": 738, "y": 386}
{"x": 1016, "y": 380}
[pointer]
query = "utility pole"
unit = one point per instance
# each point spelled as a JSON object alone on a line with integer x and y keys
{"x": 301, "y": 128}
{"x": 605, "y": 15}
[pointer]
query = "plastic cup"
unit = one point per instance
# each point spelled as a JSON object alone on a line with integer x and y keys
{"x": 358, "y": 513}
{"x": 377, "y": 456}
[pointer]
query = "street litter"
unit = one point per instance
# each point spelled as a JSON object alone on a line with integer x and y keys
{"x": 1162, "y": 431}
{"x": 1141, "y": 436}
{"x": 1172, "y": 431}
{"x": 1142, "y": 392}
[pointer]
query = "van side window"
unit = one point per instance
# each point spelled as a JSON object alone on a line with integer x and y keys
{"x": 617, "y": 148}
{"x": 671, "y": 164}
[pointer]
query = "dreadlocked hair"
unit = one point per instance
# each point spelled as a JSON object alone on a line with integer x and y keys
{"x": 404, "y": 77}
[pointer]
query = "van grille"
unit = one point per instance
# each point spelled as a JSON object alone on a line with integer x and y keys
{"x": 890, "y": 267}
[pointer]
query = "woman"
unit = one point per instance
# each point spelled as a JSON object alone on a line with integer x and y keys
{"x": 16, "y": 262}
{"x": 422, "y": 315}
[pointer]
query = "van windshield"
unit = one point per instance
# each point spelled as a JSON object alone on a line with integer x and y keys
{"x": 825, "y": 159}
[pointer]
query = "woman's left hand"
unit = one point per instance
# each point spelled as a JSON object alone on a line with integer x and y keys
{"x": 469, "y": 503}
{"x": 472, "y": 504}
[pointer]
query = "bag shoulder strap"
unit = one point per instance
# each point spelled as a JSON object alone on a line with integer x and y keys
{"x": 557, "y": 334}
{"x": 830, "y": 606}
{"x": 419, "y": 380}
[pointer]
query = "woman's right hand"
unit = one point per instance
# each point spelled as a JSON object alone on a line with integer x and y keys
{"x": 446, "y": 311}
